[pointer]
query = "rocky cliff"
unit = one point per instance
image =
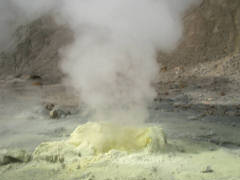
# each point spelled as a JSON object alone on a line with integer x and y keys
{"x": 211, "y": 33}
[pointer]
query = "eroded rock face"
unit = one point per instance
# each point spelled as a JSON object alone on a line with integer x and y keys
{"x": 211, "y": 32}
{"x": 36, "y": 50}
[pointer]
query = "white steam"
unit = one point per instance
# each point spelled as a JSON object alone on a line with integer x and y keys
{"x": 113, "y": 59}
{"x": 112, "y": 62}
{"x": 14, "y": 13}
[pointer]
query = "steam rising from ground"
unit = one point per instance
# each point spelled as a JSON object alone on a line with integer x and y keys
{"x": 112, "y": 62}
{"x": 113, "y": 59}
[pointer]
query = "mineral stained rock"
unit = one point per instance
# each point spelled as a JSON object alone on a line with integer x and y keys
{"x": 92, "y": 140}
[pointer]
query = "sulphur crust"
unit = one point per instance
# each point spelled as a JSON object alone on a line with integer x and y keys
{"x": 96, "y": 138}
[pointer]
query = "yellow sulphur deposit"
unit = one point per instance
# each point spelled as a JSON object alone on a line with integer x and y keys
{"x": 93, "y": 139}
{"x": 103, "y": 137}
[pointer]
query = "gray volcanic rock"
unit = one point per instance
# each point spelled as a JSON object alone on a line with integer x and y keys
{"x": 36, "y": 50}
{"x": 13, "y": 156}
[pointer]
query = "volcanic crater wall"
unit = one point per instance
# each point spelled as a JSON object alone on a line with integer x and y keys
{"x": 211, "y": 32}
{"x": 35, "y": 50}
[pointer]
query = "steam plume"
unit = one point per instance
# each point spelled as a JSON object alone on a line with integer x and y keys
{"x": 112, "y": 61}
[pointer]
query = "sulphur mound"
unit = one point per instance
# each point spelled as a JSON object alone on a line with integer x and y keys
{"x": 103, "y": 137}
{"x": 92, "y": 139}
